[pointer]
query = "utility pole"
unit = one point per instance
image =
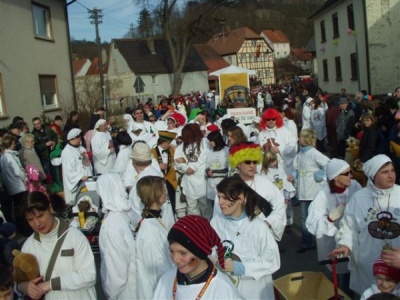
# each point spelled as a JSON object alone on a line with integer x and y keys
{"x": 96, "y": 15}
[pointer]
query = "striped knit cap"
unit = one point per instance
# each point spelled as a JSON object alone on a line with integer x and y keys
{"x": 196, "y": 235}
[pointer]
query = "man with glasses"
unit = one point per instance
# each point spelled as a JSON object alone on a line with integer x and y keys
{"x": 245, "y": 157}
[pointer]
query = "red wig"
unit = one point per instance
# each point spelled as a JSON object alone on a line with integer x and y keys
{"x": 271, "y": 113}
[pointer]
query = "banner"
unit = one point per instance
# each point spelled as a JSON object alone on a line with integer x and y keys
{"x": 244, "y": 115}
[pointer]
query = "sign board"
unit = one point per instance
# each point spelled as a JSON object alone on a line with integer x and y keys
{"x": 139, "y": 85}
{"x": 244, "y": 115}
{"x": 227, "y": 80}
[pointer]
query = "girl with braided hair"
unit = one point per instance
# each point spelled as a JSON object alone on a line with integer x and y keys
{"x": 190, "y": 160}
{"x": 191, "y": 241}
{"x": 251, "y": 252}
{"x": 152, "y": 253}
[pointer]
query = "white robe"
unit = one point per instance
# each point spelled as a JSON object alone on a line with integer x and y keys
{"x": 128, "y": 178}
{"x": 375, "y": 290}
{"x": 137, "y": 205}
{"x": 103, "y": 159}
{"x": 220, "y": 288}
{"x": 195, "y": 185}
{"x": 123, "y": 160}
{"x": 318, "y": 121}
{"x": 216, "y": 160}
{"x": 291, "y": 126}
{"x": 116, "y": 241}
{"x": 287, "y": 144}
{"x": 318, "y": 224}
{"x": 152, "y": 256}
{"x": 266, "y": 189}
{"x": 353, "y": 232}
{"x": 74, "y": 266}
{"x": 306, "y": 115}
{"x": 257, "y": 250}
{"x": 307, "y": 163}
{"x": 73, "y": 170}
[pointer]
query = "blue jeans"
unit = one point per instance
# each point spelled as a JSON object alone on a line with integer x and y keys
{"x": 306, "y": 237}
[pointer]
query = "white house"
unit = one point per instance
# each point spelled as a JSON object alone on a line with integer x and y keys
{"x": 357, "y": 45}
{"x": 278, "y": 42}
{"x": 35, "y": 64}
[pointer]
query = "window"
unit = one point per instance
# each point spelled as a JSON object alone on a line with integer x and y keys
{"x": 267, "y": 73}
{"x": 2, "y": 102}
{"x": 354, "y": 66}
{"x": 350, "y": 17}
{"x": 323, "y": 33}
{"x": 48, "y": 91}
{"x": 243, "y": 57}
{"x": 41, "y": 21}
{"x": 230, "y": 60}
{"x": 260, "y": 74}
{"x": 253, "y": 43}
{"x": 252, "y": 57}
{"x": 338, "y": 68}
{"x": 335, "y": 24}
{"x": 325, "y": 69}
{"x": 266, "y": 58}
{"x": 154, "y": 79}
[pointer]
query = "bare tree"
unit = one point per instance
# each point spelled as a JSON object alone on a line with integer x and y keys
{"x": 182, "y": 22}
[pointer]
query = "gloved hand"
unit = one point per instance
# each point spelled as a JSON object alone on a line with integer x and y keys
{"x": 336, "y": 213}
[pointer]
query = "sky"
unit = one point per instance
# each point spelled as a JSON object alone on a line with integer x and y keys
{"x": 117, "y": 17}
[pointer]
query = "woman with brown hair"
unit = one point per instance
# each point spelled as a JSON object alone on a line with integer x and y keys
{"x": 190, "y": 160}
{"x": 236, "y": 135}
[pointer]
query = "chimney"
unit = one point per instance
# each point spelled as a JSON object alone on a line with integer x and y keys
{"x": 150, "y": 44}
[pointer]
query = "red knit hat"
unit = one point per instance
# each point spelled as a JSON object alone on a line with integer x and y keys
{"x": 380, "y": 267}
{"x": 196, "y": 235}
{"x": 271, "y": 113}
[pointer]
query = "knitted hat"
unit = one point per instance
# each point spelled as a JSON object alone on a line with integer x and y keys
{"x": 73, "y": 133}
{"x": 166, "y": 135}
{"x": 335, "y": 167}
{"x": 244, "y": 151}
{"x": 196, "y": 235}
{"x": 141, "y": 152}
{"x": 372, "y": 166}
{"x": 379, "y": 267}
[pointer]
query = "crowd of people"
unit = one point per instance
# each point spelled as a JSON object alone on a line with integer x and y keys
{"x": 194, "y": 203}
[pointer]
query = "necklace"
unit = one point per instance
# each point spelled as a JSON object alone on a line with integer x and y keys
{"x": 159, "y": 221}
{"x": 380, "y": 208}
{"x": 205, "y": 286}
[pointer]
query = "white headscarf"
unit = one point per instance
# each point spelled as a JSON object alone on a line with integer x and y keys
{"x": 99, "y": 123}
{"x": 372, "y": 166}
{"x": 112, "y": 192}
{"x": 335, "y": 167}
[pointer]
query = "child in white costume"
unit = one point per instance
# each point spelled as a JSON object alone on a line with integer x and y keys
{"x": 152, "y": 252}
{"x": 251, "y": 254}
{"x": 117, "y": 245}
{"x": 387, "y": 280}
{"x": 191, "y": 241}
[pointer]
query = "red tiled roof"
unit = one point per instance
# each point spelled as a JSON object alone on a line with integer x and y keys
{"x": 77, "y": 65}
{"x": 94, "y": 67}
{"x": 212, "y": 59}
{"x": 275, "y": 36}
{"x": 301, "y": 55}
{"x": 231, "y": 41}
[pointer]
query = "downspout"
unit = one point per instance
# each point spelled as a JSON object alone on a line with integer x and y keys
{"x": 75, "y": 103}
{"x": 367, "y": 47}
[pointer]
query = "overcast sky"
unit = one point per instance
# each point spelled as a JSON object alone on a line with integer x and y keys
{"x": 117, "y": 17}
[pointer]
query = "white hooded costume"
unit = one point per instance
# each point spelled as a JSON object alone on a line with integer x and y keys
{"x": 117, "y": 244}
{"x": 359, "y": 213}
{"x": 103, "y": 159}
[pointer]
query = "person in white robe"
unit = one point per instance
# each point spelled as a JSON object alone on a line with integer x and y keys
{"x": 252, "y": 254}
{"x": 152, "y": 251}
{"x": 116, "y": 240}
{"x": 148, "y": 131}
{"x": 76, "y": 166}
{"x": 142, "y": 159}
{"x": 104, "y": 156}
{"x": 381, "y": 195}
{"x": 191, "y": 241}
{"x": 318, "y": 122}
{"x": 73, "y": 275}
{"x": 276, "y": 138}
{"x": 306, "y": 114}
{"x": 245, "y": 157}
{"x": 326, "y": 210}
{"x": 124, "y": 141}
